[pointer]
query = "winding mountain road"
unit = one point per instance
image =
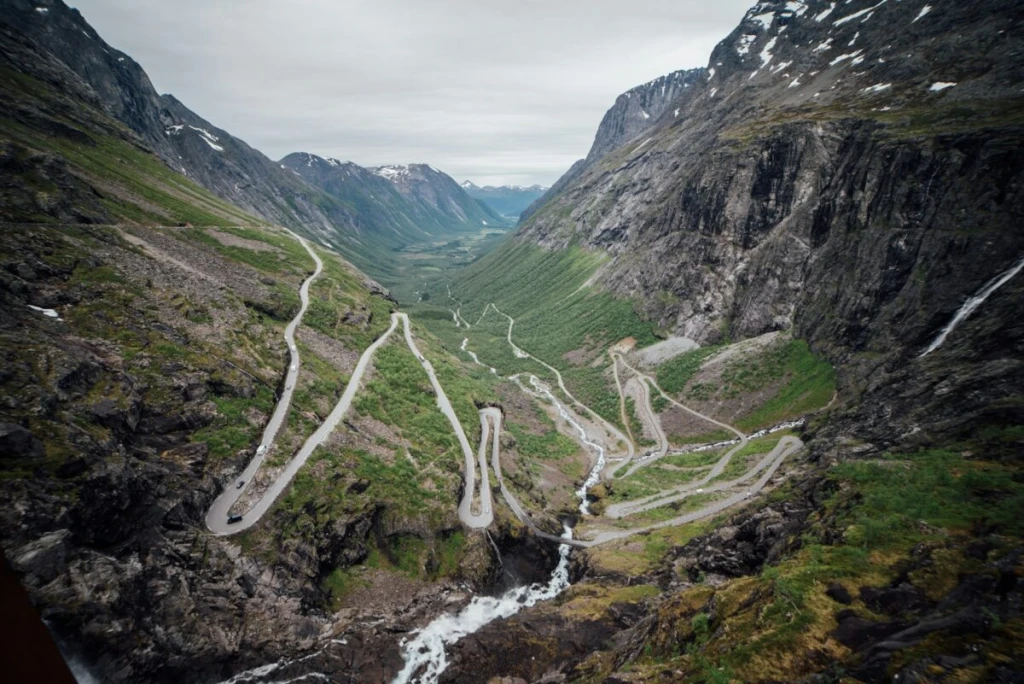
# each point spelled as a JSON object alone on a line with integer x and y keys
{"x": 622, "y": 400}
{"x": 650, "y": 418}
{"x": 786, "y": 446}
{"x": 486, "y": 515}
{"x": 520, "y": 353}
{"x": 216, "y": 518}
{"x": 476, "y": 507}
{"x": 491, "y": 425}
{"x": 490, "y": 429}
{"x": 724, "y": 461}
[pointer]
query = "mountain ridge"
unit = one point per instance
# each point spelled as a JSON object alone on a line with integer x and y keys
{"x": 507, "y": 200}
{"x": 830, "y": 210}
{"x": 227, "y": 166}
{"x": 623, "y": 203}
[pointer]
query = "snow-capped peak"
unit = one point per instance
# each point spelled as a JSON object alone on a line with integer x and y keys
{"x": 392, "y": 172}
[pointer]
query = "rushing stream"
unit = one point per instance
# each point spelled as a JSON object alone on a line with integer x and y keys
{"x": 595, "y": 472}
{"x": 425, "y": 654}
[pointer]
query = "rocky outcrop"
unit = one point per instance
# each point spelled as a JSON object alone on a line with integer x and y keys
{"x": 634, "y": 112}
{"x": 638, "y": 109}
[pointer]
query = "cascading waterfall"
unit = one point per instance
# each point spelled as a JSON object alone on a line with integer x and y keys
{"x": 973, "y": 303}
{"x": 595, "y": 473}
{"x": 472, "y": 354}
{"x": 425, "y": 654}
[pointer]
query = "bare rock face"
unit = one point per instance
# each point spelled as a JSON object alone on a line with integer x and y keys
{"x": 847, "y": 171}
{"x": 638, "y": 109}
{"x": 634, "y": 112}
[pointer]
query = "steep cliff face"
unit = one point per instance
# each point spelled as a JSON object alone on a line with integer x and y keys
{"x": 634, "y": 112}
{"x": 846, "y": 170}
{"x": 638, "y": 109}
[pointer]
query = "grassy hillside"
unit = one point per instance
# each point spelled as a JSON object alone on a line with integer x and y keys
{"x": 558, "y": 319}
{"x": 126, "y": 182}
{"x": 903, "y": 525}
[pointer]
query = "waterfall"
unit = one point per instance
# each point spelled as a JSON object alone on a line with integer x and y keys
{"x": 595, "y": 473}
{"x": 973, "y": 303}
{"x": 425, "y": 655}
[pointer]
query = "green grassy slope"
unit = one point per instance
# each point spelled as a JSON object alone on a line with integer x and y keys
{"x": 130, "y": 184}
{"x": 554, "y": 315}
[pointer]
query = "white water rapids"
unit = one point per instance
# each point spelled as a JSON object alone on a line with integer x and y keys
{"x": 595, "y": 472}
{"x": 425, "y": 654}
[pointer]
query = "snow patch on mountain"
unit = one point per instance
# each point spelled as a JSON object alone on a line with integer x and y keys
{"x": 821, "y": 16}
{"x": 207, "y": 137}
{"x": 856, "y": 15}
{"x": 393, "y": 172}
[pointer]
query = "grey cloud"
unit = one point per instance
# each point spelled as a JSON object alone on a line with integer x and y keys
{"x": 490, "y": 91}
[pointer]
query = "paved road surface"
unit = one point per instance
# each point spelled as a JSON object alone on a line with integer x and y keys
{"x": 623, "y": 415}
{"x": 786, "y": 446}
{"x": 216, "y": 518}
{"x": 725, "y": 458}
{"x": 486, "y": 515}
{"x": 490, "y": 428}
{"x": 625, "y": 508}
{"x": 612, "y": 430}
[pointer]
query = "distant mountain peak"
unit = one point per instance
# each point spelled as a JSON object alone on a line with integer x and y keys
{"x": 392, "y": 172}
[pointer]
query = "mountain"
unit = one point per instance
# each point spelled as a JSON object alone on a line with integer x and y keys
{"x": 506, "y": 200}
{"x": 634, "y": 112}
{"x": 400, "y": 210}
{"x": 786, "y": 296}
{"x": 814, "y": 135}
{"x": 428, "y": 186}
{"x": 406, "y": 204}
{"x": 846, "y": 175}
{"x": 52, "y": 44}
{"x": 638, "y": 109}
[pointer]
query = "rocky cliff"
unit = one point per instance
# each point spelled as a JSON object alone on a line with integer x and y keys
{"x": 848, "y": 171}
{"x": 638, "y": 109}
{"x": 634, "y": 112}
{"x": 835, "y": 166}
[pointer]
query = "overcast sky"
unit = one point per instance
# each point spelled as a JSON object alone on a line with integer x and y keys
{"x": 496, "y": 91}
